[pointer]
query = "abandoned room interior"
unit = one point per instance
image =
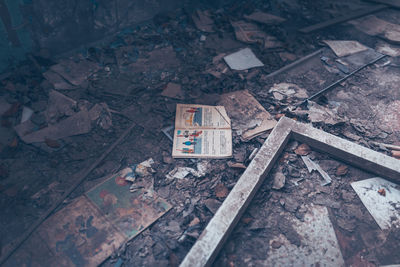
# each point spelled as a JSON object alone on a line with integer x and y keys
{"x": 200, "y": 133}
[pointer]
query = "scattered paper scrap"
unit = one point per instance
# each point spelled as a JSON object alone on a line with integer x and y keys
{"x": 319, "y": 244}
{"x": 203, "y": 21}
{"x": 249, "y": 117}
{"x": 264, "y": 18}
{"x": 318, "y": 113}
{"x": 384, "y": 207}
{"x": 287, "y": 91}
{"x": 182, "y": 172}
{"x": 79, "y": 123}
{"x": 202, "y": 132}
{"x": 345, "y": 48}
{"x": 242, "y": 60}
{"x": 251, "y": 34}
{"x": 374, "y": 26}
{"x": 388, "y": 49}
{"x": 26, "y": 114}
{"x": 142, "y": 169}
{"x": 311, "y": 166}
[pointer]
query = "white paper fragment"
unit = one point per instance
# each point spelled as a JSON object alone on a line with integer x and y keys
{"x": 383, "y": 208}
{"x": 242, "y": 60}
{"x": 345, "y": 48}
{"x": 26, "y": 114}
{"x": 182, "y": 172}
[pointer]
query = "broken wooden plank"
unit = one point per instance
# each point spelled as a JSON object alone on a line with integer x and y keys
{"x": 217, "y": 231}
{"x": 352, "y": 153}
{"x": 295, "y": 63}
{"x": 211, "y": 240}
{"x": 349, "y": 16}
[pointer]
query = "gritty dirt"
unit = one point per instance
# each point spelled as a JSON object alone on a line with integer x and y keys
{"x": 137, "y": 65}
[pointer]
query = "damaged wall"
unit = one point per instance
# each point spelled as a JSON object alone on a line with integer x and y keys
{"x": 59, "y": 26}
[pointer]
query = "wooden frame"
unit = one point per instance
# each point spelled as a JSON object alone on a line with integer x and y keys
{"x": 218, "y": 229}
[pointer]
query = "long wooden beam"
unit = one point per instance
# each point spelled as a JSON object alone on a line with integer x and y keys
{"x": 218, "y": 229}
{"x": 352, "y": 15}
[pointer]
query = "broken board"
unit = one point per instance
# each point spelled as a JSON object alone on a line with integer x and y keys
{"x": 249, "y": 118}
{"x": 220, "y": 226}
{"x": 318, "y": 243}
{"x": 384, "y": 207}
{"x": 92, "y": 227}
{"x": 130, "y": 213}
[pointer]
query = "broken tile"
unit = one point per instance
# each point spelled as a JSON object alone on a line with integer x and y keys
{"x": 383, "y": 208}
{"x": 79, "y": 123}
{"x": 249, "y": 118}
{"x": 283, "y": 91}
{"x": 26, "y": 114}
{"x": 251, "y": 34}
{"x": 130, "y": 213}
{"x": 374, "y": 26}
{"x": 311, "y": 166}
{"x": 318, "y": 113}
{"x": 345, "y": 48}
{"x": 319, "y": 245}
{"x": 388, "y": 49}
{"x": 242, "y": 60}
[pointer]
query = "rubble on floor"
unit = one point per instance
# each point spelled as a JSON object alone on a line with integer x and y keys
{"x": 57, "y": 117}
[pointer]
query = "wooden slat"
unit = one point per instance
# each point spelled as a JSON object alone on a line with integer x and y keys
{"x": 352, "y": 15}
{"x": 352, "y": 153}
{"x": 217, "y": 231}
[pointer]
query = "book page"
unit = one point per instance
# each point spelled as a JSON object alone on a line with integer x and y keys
{"x": 202, "y": 143}
{"x": 201, "y": 116}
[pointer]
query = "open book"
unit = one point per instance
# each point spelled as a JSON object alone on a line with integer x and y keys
{"x": 202, "y": 132}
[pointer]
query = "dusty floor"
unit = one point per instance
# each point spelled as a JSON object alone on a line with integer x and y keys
{"x": 132, "y": 71}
